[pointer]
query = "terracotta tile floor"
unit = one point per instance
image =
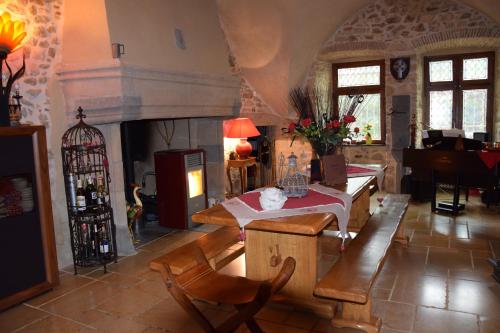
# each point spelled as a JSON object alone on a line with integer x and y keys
{"x": 441, "y": 283}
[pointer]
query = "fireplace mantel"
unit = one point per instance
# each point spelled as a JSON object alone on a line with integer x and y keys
{"x": 116, "y": 92}
{"x": 113, "y": 92}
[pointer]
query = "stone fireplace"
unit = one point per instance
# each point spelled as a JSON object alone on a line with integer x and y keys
{"x": 69, "y": 63}
{"x": 117, "y": 92}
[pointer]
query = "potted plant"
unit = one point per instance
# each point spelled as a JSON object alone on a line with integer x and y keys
{"x": 324, "y": 130}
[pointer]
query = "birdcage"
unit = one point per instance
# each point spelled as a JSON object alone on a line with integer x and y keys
{"x": 92, "y": 229}
{"x": 294, "y": 183}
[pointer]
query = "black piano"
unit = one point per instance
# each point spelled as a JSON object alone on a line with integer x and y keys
{"x": 441, "y": 164}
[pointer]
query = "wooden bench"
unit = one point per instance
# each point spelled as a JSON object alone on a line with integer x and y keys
{"x": 351, "y": 278}
{"x": 220, "y": 247}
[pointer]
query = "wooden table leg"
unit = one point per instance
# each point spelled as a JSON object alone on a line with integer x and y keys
{"x": 228, "y": 172}
{"x": 357, "y": 316}
{"x": 265, "y": 252}
{"x": 254, "y": 182}
{"x": 243, "y": 176}
{"x": 264, "y": 256}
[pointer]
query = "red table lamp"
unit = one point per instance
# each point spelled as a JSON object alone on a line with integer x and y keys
{"x": 242, "y": 128}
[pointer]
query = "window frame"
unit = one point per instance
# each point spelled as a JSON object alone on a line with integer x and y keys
{"x": 458, "y": 85}
{"x": 357, "y": 90}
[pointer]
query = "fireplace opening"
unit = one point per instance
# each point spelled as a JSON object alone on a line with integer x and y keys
{"x": 139, "y": 177}
{"x": 142, "y": 140}
{"x": 180, "y": 166}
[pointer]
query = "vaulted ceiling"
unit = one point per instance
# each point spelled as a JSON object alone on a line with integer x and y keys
{"x": 275, "y": 42}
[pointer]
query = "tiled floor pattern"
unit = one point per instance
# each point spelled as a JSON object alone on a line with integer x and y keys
{"x": 441, "y": 283}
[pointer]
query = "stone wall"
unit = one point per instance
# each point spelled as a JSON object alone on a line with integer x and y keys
{"x": 405, "y": 25}
{"x": 251, "y": 103}
{"x": 40, "y": 48}
{"x": 387, "y": 29}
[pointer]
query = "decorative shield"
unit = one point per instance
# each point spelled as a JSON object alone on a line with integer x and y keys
{"x": 400, "y": 67}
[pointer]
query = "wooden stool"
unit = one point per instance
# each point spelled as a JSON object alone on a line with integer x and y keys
{"x": 203, "y": 283}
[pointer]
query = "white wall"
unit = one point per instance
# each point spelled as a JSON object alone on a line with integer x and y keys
{"x": 146, "y": 28}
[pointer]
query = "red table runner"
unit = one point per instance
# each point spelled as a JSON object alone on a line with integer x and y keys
{"x": 356, "y": 169}
{"x": 313, "y": 198}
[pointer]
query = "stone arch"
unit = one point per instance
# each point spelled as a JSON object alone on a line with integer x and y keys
{"x": 404, "y": 25}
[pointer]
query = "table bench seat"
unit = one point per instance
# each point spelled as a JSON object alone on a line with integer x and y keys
{"x": 351, "y": 278}
{"x": 220, "y": 247}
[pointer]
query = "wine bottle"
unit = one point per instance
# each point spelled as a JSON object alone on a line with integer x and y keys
{"x": 85, "y": 241}
{"x": 90, "y": 192}
{"x": 95, "y": 240}
{"x": 104, "y": 245}
{"x": 80, "y": 197}
{"x": 71, "y": 190}
{"x": 101, "y": 191}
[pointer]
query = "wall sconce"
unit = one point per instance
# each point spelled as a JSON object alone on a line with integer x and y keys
{"x": 117, "y": 50}
{"x": 11, "y": 35}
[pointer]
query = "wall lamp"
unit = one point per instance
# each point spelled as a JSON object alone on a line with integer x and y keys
{"x": 12, "y": 34}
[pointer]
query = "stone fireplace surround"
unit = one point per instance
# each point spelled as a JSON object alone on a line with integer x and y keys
{"x": 115, "y": 92}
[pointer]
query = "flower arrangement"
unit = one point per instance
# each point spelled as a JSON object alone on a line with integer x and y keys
{"x": 317, "y": 122}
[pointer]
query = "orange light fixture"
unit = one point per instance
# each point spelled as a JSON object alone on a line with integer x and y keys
{"x": 11, "y": 34}
{"x": 242, "y": 128}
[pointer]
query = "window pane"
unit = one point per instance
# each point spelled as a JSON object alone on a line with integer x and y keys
{"x": 476, "y": 69}
{"x": 474, "y": 114}
{"x": 358, "y": 76}
{"x": 441, "y": 71}
{"x": 368, "y": 112}
{"x": 440, "y": 109}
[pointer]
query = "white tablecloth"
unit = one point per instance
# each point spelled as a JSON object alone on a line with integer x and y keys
{"x": 244, "y": 214}
{"x": 377, "y": 172}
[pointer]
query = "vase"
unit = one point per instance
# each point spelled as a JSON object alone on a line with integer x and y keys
{"x": 368, "y": 139}
{"x": 316, "y": 168}
{"x": 334, "y": 169}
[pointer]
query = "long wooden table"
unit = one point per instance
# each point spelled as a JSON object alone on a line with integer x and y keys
{"x": 269, "y": 242}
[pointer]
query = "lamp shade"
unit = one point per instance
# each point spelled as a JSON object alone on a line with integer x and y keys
{"x": 11, "y": 34}
{"x": 242, "y": 128}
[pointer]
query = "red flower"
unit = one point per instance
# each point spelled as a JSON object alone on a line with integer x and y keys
{"x": 291, "y": 127}
{"x": 329, "y": 125}
{"x": 335, "y": 123}
{"x": 356, "y": 129}
{"x": 306, "y": 122}
{"x": 349, "y": 119}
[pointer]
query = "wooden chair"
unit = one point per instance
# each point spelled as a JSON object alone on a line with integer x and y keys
{"x": 204, "y": 283}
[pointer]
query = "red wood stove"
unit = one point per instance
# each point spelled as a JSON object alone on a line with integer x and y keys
{"x": 181, "y": 185}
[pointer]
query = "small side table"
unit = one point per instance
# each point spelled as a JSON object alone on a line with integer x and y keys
{"x": 242, "y": 166}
